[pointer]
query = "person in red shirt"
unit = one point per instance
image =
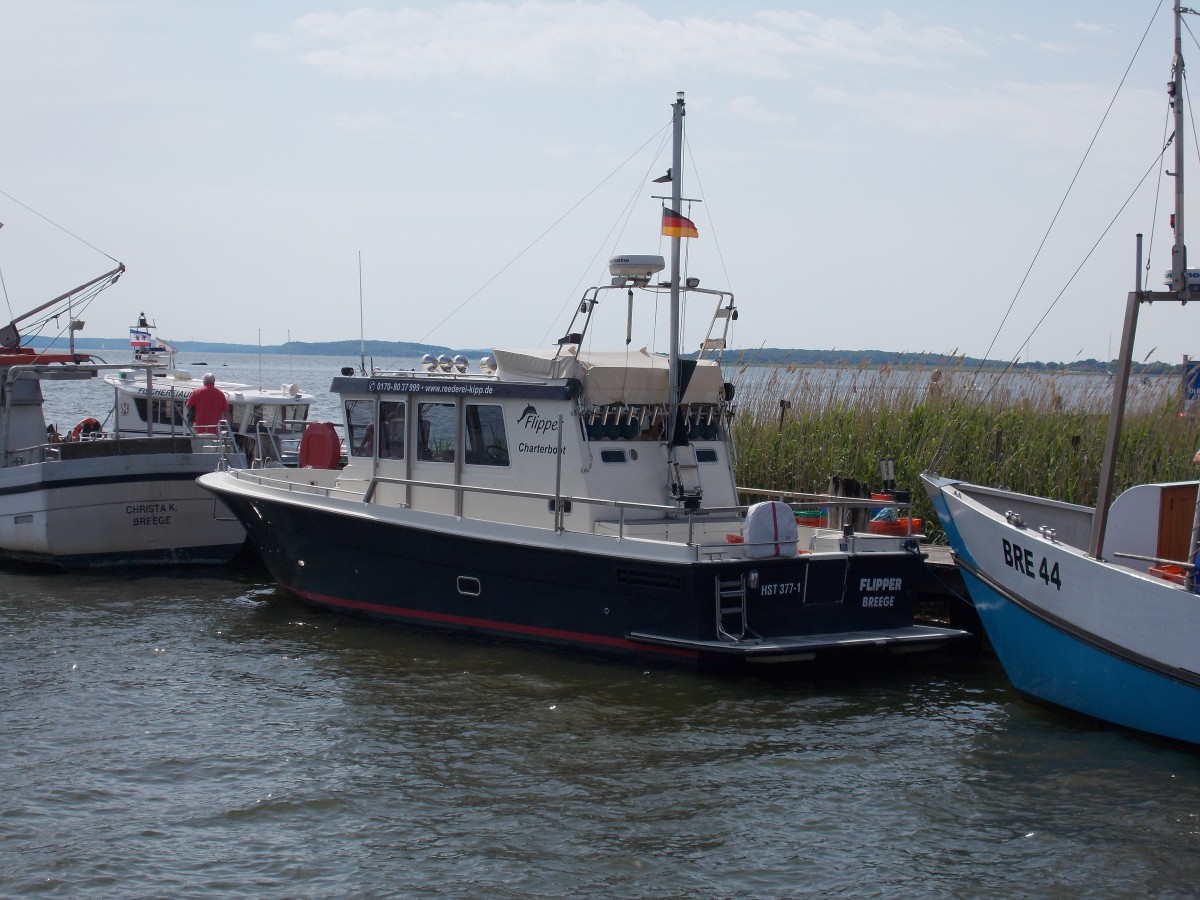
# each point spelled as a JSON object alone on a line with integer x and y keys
{"x": 207, "y": 406}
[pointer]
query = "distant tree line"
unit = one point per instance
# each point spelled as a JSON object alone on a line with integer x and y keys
{"x": 879, "y": 358}
{"x": 763, "y": 356}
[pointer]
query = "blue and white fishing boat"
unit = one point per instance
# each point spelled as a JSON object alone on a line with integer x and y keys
{"x": 1094, "y": 610}
{"x": 579, "y": 498}
{"x": 92, "y": 498}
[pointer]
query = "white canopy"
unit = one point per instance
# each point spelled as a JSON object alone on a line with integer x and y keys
{"x": 635, "y": 377}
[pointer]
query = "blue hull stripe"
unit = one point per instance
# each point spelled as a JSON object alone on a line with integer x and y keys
{"x": 48, "y": 484}
{"x": 215, "y": 554}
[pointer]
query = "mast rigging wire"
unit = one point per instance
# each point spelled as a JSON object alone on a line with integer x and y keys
{"x": 982, "y": 396}
{"x": 26, "y": 206}
{"x": 622, "y": 222}
{"x": 1070, "y": 187}
{"x": 56, "y": 225}
{"x": 536, "y": 240}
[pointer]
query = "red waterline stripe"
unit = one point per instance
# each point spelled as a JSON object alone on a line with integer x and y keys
{"x": 554, "y": 633}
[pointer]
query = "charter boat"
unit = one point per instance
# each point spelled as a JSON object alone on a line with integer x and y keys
{"x": 93, "y": 498}
{"x": 580, "y": 498}
{"x": 151, "y": 398}
{"x": 1094, "y": 609}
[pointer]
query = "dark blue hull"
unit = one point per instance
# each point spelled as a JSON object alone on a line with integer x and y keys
{"x": 793, "y": 609}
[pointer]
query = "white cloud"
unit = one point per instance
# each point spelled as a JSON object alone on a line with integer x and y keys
{"x": 599, "y": 42}
{"x": 889, "y": 41}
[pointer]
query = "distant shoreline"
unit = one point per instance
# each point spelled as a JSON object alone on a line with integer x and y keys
{"x": 762, "y": 356}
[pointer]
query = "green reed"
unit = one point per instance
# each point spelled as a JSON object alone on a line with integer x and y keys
{"x": 1038, "y": 434}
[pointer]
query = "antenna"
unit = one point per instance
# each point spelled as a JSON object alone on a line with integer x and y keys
{"x": 362, "y": 342}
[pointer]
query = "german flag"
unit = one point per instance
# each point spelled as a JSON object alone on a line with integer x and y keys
{"x": 675, "y": 225}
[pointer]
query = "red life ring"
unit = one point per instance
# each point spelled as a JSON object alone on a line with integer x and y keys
{"x": 86, "y": 428}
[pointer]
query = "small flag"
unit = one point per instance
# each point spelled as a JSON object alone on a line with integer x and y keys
{"x": 675, "y": 225}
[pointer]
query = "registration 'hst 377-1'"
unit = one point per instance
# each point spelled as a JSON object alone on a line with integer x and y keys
{"x": 872, "y": 590}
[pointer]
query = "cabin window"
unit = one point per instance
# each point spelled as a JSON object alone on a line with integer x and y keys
{"x": 612, "y": 456}
{"x": 161, "y": 411}
{"x": 487, "y": 443}
{"x": 391, "y": 435}
{"x": 707, "y": 455}
{"x": 277, "y": 417}
{"x": 436, "y": 428}
{"x": 360, "y": 426}
{"x": 244, "y": 417}
{"x": 295, "y": 416}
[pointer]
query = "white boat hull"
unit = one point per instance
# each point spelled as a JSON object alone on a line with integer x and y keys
{"x": 115, "y": 510}
{"x": 1095, "y": 637}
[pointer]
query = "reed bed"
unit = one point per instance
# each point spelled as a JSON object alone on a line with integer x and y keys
{"x": 1041, "y": 434}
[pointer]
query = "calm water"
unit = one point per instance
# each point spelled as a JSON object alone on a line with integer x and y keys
{"x": 68, "y": 402}
{"x": 205, "y": 735}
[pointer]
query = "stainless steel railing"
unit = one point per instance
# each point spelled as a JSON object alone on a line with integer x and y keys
{"x": 558, "y": 503}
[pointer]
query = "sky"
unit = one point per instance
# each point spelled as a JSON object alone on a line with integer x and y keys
{"x": 872, "y": 175}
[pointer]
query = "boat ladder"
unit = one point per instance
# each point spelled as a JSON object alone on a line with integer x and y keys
{"x": 685, "y": 475}
{"x": 731, "y": 608}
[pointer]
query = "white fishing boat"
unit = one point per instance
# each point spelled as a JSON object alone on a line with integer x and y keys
{"x": 1094, "y": 609}
{"x": 579, "y": 498}
{"x": 93, "y": 498}
{"x": 151, "y": 398}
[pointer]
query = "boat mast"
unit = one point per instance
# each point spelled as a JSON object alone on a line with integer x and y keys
{"x": 1177, "y": 290}
{"x": 362, "y": 335}
{"x": 1175, "y": 91}
{"x": 676, "y": 241}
